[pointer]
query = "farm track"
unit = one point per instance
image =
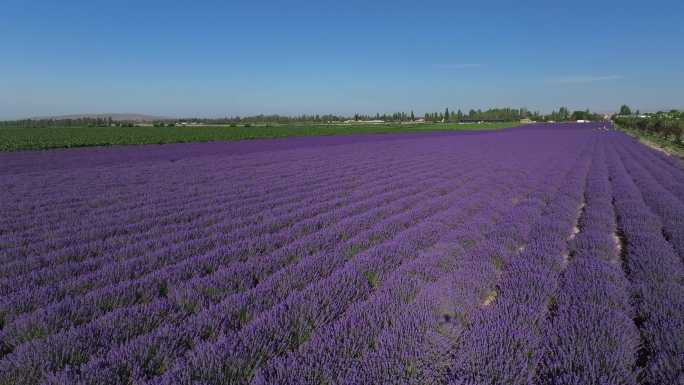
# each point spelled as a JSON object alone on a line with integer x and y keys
{"x": 523, "y": 256}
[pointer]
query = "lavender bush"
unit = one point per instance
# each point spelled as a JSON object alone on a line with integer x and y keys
{"x": 544, "y": 254}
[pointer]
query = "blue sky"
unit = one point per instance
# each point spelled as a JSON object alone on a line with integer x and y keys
{"x": 218, "y": 58}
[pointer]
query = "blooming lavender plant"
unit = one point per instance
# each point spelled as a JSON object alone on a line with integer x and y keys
{"x": 544, "y": 254}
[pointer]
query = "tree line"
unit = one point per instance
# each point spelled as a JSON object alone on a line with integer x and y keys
{"x": 70, "y": 122}
{"x": 668, "y": 125}
{"x": 454, "y": 115}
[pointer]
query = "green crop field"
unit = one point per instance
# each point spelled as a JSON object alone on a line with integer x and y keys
{"x": 15, "y": 139}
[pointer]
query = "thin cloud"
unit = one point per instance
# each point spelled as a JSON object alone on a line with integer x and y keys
{"x": 458, "y": 66}
{"x": 585, "y": 79}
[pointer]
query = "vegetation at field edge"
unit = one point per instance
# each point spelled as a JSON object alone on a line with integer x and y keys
{"x": 15, "y": 139}
{"x": 662, "y": 130}
{"x": 654, "y": 140}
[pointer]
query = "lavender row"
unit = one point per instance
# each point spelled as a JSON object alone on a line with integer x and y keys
{"x": 219, "y": 228}
{"x": 90, "y": 256}
{"x": 590, "y": 337}
{"x": 268, "y": 194}
{"x": 657, "y": 278}
{"x": 312, "y": 177}
{"x": 668, "y": 162}
{"x": 221, "y": 169}
{"x": 285, "y": 256}
{"x": 130, "y": 178}
{"x": 279, "y": 220}
{"x": 150, "y": 283}
{"x": 124, "y": 321}
{"x": 236, "y": 213}
{"x": 431, "y": 260}
{"x": 664, "y": 174}
{"x": 235, "y": 356}
{"x": 152, "y": 219}
{"x": 236, "y": 310}
{"x": 417, "y": 345}
{"x": 338, "y": 348}
{"x": 133, "y": 204}
{"x": 279, "y": 223}
{"x": 660, "y": 200}
{"x": 502, "y": 341}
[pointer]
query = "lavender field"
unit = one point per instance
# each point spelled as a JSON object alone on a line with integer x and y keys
{"x": 544, "y": 254}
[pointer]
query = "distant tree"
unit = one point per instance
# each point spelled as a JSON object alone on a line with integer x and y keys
{"x": 446, "y": 114}
{"x": 625, "y": 110}
{"x": 578, "y": 115}
{"x": 413, "y": 117}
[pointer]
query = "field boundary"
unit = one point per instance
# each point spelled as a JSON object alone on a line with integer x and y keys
{"x": 46, "y": 138}
{"x": 666, "y": 148}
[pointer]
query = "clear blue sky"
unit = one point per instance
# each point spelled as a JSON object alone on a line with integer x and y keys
{"x": 217, "y": 58}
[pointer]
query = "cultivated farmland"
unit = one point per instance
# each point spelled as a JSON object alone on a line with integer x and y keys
{"x": 543, "y": 254}
{"x": 42, "y": 138}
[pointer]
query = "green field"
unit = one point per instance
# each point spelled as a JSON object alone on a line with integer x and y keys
{"x": 15, "y": 139}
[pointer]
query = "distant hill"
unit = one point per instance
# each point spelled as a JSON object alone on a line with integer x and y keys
{"x": 128, "y": 117}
